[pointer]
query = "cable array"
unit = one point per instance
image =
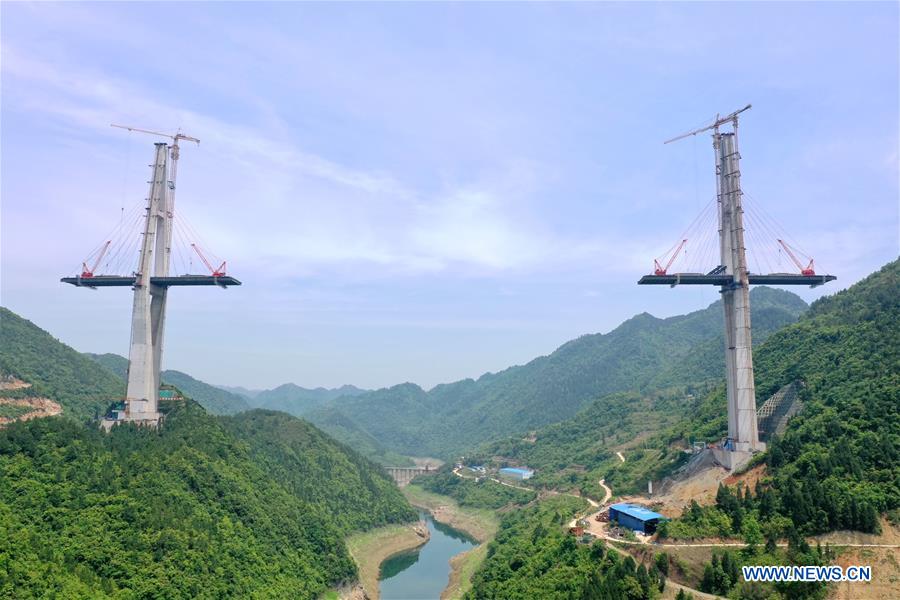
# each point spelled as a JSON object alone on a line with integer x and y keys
{"x": 119, "y": 252}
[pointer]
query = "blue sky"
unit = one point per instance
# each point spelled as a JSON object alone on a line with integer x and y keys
{"x": 426, "y": 192}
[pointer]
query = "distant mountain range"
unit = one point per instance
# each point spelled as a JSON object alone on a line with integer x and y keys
{"x": 643, "y": 354}
{"x": 292, "y": 398}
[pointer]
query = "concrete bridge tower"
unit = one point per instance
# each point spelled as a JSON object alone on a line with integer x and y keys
{"x": 150, "y": 283}
{"x": 742, "y": 429}
{"x": 734, "y": 280}
{"x": 149, "y": 308}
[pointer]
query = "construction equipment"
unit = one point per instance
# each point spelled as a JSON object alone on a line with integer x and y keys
{"x": 659, "y": 269}
{"x": 809, "y": 270}
{"x": 218, "y": 272}
{"x": 89, "y": 272}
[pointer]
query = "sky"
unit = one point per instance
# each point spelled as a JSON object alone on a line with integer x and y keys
{"x": 428, "y": 192}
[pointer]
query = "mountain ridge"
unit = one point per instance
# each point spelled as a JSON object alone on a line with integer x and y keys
{"x": 642, "y": 353}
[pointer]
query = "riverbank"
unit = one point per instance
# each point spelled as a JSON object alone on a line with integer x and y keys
{"x": 371, "y": 548}
{"x": 480, "y": 524}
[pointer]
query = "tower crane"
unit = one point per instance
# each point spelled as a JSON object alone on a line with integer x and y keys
{"x": 175, "y": 138}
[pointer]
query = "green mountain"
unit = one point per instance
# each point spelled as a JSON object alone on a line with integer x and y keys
{"x": 643, "y": 354}
{"x": 212, "y": 398}
{"x": 234, "y": 507}
{"x": 56, "y": 371}
{"x": 240, "y": 391}
{"x": 341, "y": 427}
{"x": 297, "y": 400}
{"x": 836, "y": 465}
{"x": 358, "y": 495}
{"x": 256, "y": 505}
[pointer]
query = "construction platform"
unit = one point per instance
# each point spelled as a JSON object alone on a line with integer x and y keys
{"x": 181, "y": 280}
{"x": 754, "y": 279}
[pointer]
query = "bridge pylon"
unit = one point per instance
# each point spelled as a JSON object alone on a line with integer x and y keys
{"x": 150, "y": 283}
{"x": 734, "y": 279}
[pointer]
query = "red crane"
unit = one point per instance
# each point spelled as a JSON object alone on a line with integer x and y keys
{"x": 661, "y": 270}
{"x": 85, "y": 271}
{"x": 810, "y": 268}
{"x": 219, "y": 272}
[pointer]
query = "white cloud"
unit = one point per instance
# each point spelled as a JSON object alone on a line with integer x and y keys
{"x": 268, "y": 204}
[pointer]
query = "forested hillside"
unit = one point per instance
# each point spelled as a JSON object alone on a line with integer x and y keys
{"x": 55, "y": 371}
{"x": 213, "y": 399}
{"x": 192, "y": 509}
{"x": 839, "y": 460}
{"x": 838, "y": 464}
{"x": 644, "y": 353}
{"x": 338, "y": 425}
{"x": 534, "y": 557}
{"x": 359, "y": 494}
{"x": 578, "y": 451}
{"x": 840, "y": 453}
{"x": 836, "y": 467}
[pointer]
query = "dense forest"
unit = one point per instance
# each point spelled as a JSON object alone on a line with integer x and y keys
{"x": 644, "y": 353}
{"x": 356, "y": 493}
{"x": 533, "y": 556}
{"x": 836, "y": 463}
{"x": 80, "y": 385}
{"x": 192, "y": 509}
{"x": 836, "y": 467}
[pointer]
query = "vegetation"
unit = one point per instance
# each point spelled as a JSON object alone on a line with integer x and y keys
{"x": 533, "y": 556}
{"x": 576, "y": 453}
{"x": 192, "y": 509}
{"x": 127, "y": 514}
{"x": 359, "y": 495}
{"x": 643, "y": 354}
{"x": 342, "y": 427}
{"x": 55, "y": 370}
{"x": 297, "y": 400}
{"x": 722, "y": 575}
{"x": 837, "y": 465}
{"x": 477, "y": 494}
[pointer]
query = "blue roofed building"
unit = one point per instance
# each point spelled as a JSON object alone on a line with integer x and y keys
{"x": 516, "y": 473}
{"x": 635, "y": 517}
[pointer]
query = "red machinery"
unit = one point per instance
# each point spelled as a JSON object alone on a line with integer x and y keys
{"x": 661, "y": 270}
{"x": 810, "y": 268}
{"x": 218, "y": 272}
{"x": 85, "y": 271}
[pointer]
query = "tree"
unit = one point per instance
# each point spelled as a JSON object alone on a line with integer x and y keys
{"x": 752, "y": 534}
{"x": 662, "y": 563}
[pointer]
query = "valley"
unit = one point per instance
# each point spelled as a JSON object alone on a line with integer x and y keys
{"x": 605, "y": 452}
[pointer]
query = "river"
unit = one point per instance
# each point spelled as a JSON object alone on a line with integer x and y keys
{"x": 423, "y": 573}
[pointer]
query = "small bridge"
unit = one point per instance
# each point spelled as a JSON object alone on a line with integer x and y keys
{"x": 403, "y": 475}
